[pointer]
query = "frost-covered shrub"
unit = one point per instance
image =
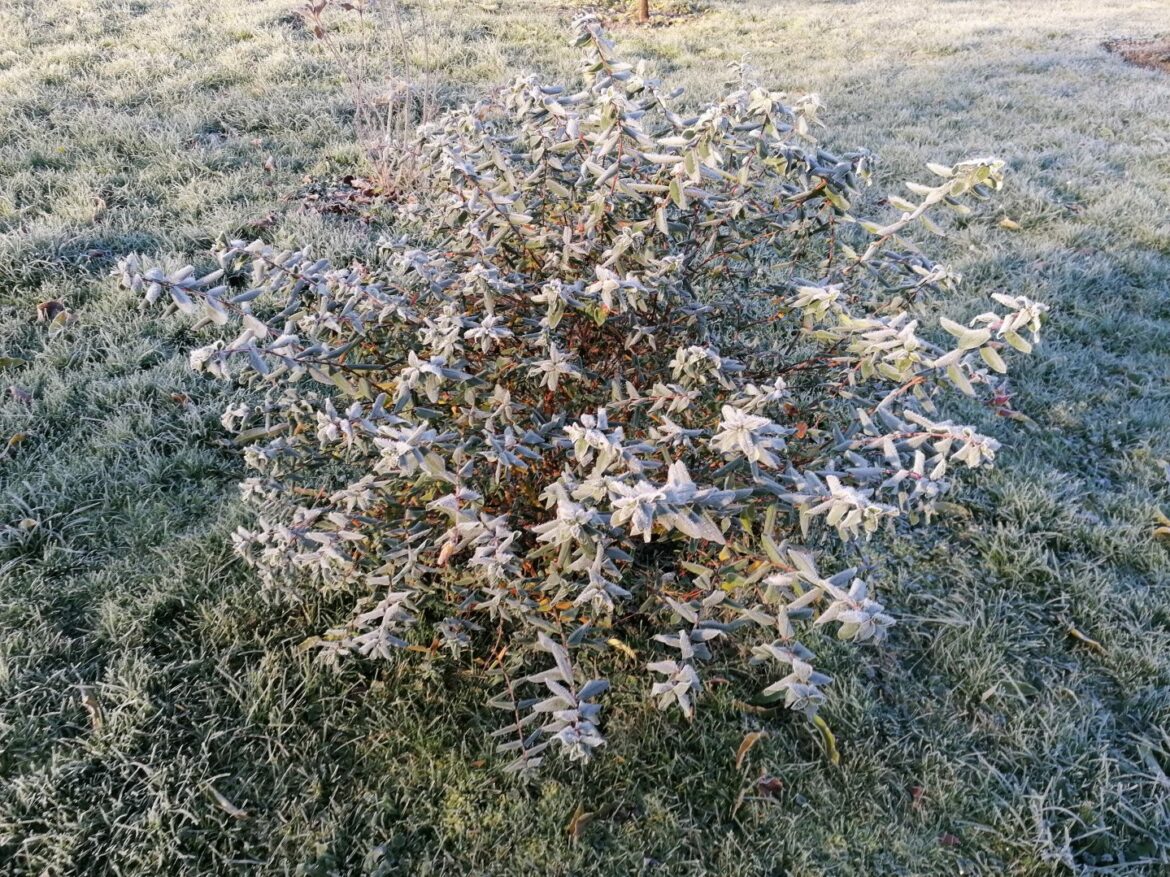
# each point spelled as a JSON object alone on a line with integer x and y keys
{"x": 641, "y": 355}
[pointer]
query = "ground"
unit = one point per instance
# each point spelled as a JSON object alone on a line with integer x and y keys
{"x": 155, "y": 714}
{"x": 1153, "y": 53}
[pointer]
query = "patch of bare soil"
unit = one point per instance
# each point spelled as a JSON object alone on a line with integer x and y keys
{"x": 1153, "y": 53}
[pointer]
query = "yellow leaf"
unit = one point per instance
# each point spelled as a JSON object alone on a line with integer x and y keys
{"x": 952, "y": 508}
{"x": 829, "y": 741}
{"x": 745, "y": 747}
{"x": 1009, "y": 224}
{"x": 616, "y": 643}
{"x": 993, "y": 359}
{"x": 578, "y": 822}
{"x": 744, "y": 706}
{"x": 771, "y": 549}
{"x": 1089, "y": 641}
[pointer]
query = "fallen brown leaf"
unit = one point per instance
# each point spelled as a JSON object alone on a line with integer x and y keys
{"x": 746, "y": 745}
{"x": 578, "y": 822}
{"x": 917, "y": 793}
{"x": 93, "y": 707}
{"x": 770, "y": 786}
{"x": 47, "y": 311}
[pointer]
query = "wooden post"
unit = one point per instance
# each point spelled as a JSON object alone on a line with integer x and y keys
{"x": 643, "y": 11}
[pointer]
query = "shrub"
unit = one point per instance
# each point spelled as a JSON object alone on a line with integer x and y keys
{"x": 641, "y": 353}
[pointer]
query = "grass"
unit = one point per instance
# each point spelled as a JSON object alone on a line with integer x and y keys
{"x": 985, "y": 739}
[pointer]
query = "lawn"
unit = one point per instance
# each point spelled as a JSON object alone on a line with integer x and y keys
{"x": 156, "y": 715}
